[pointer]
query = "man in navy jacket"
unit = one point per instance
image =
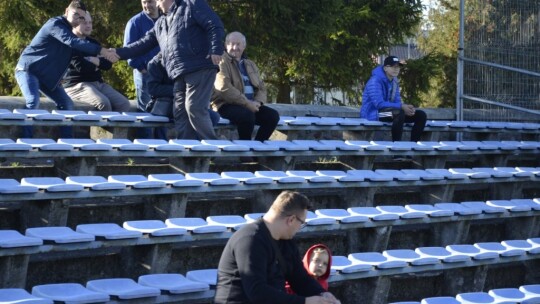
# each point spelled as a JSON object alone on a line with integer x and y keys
{"x": 190, "y": 37}
{"x": 43, "y": 63}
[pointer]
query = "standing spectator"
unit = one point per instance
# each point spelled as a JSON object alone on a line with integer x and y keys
{"x": 44, "y": 61}
{"x": 261, "y": 256}
{"x": 240, "y": 94}
{"x": 381, "y": 95}
{"x": 192, "y": 47}
{"x": 83, "y": 81}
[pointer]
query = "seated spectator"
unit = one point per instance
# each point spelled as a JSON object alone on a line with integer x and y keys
{"x": 317, "y": 262}
{"x": 240, "y": 94}
{"x": 160, "y": 88}
{"x": 382, "y": 95}
{"x": 83, "y": 81}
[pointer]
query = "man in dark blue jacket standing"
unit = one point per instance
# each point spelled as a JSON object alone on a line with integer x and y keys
{"x": 190, "y": 37}
{"x": 43, "y": 63}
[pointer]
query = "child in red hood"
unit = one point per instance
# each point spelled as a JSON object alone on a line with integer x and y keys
{"x": 317, "y": 261}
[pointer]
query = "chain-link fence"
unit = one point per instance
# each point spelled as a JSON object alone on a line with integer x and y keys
{"x": 501, "y": 60}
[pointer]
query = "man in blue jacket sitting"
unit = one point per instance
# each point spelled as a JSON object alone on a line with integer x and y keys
{"x": 382, "y": 101}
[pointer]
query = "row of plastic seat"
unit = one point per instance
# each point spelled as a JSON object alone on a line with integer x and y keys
{"x": 528, "y": 294}
{"x": 351, "y": 218}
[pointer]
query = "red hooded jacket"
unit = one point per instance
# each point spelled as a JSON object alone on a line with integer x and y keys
{"x": 323, "y": 280}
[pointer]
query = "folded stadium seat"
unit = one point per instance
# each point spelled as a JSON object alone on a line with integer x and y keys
{"x": 521, "y": 244}
{"x": 13, "y": 238}
{"x": 404, "y": 146}
{"x": 207, "y": 276}
{"x": 442, "y": 254}
{"x": 50, "y": 184}
{"x": 255, "y": 145}
{"x": 458, "y": 208}
{"x": 437, "y": 123}
{"x": 39, "y": 114}
{"x": 344, "y": 265}
{"x": 108, "y": 231}
{"x": 136, "y": 181}
{"x": 439, "y": 146}
{"x": 521, "y": 145}
{"x": 194, "y": 224}
{"x": 60, "y": 235}
{"x": 11, "y": 186}
{"x": 398, "y": 175}
{"x": 484, "y": 207}
{"x": 194, "y": 145}
{"x": 500, "y": 249}
{"x": 367, "y": 145}
{"x": 494, "y": 173}
{"x": 21, "y": 296}
{"x": 459, "y": 124}
{"x": 429, "y": 210}
{"x": 374, "y": 123}
{"x": 159, "y": 145}
{"x": 311, "y": 176}
{"x": 535, "y": 242}
{"x": 529, "y": 202}
{"x": 329, "y": 121}
{"x": 7, "y": 144}
{"x": 501, "y": 145}
{"x": 252, "y": 217}
{"x": 225, "y": 145}
{"x": 96, "y": 183}
{"x": 508, "y": 295}
{"x": 122, "y": 288}
{"x": 122, "y": 144}
{"x": 280, "y": 177}
{"x": 84, "y": 144}
{"x": 247, "y": 177}
{"x": 284, "y": 119}
{"x": 535, "y": 171}
{"x": 77, "y": 115}
{"x": 213, "y": 179}
{"x": 153, "y": 227}
{"x": 313, "y": 219}
{"x": 472, "y": 251}
{"x": 475, "y": 298}
{"x": 9, "y": 115}
{"x": 402, "y": 212}
{"x": 45, "y": 144}
{"x": 459, "y": 146}
{"x": 480, "y": 145}
{"x": 373, "y": 213}
{"x": 314, "y": 145}
{"x": 409, "y": 256}
{"x": 234, "y": 222}
{"x": 509, "y": 205}
{"x": 470, "y": 173}
{"x": 304, "y": 121}
{"x": 175, "y": 180}
{"x": 340, "y": 176}
{"x": 172, "y": 283}
{"x": 114, "y": 116}
{"x": 340, "y": 145}
{"x": 515, "y": 172}
{"x": 69, "y": 293}
{"x": 532, "y": 293}
{"x": 147, "y": 117}
{"x": 341, "y": 215}
{"x": 371, "y": 175}
{"x": 496, "y": 125}
{"x": 440, "y": 300}
{"x": 286, "y": 145}
{"x": 514, "y": 126}
{"x": 375, "y": 259}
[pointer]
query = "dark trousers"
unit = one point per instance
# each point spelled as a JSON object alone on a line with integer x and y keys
{"x": 418, "y": 119}
{"x": 245, "y": 120}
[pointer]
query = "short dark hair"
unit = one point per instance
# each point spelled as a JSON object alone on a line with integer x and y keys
{"x": 290, "y": 202}
{"x": 77, "y": 4}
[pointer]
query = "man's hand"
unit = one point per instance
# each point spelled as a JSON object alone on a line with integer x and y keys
{"x": 408, "y": 109}
{"x": 215, "y": 59}
{"x": 253, "y": 106}
{"x": 109, "y": 54}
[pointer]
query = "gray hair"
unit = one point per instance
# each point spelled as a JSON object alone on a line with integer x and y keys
{"x": 228, "y": 37}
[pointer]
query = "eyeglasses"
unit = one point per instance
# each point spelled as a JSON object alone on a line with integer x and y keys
{"x": 302, "y": 223}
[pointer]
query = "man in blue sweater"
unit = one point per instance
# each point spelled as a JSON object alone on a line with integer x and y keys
{"x": 382, "y": 101}
{"x": 44, "y": 61}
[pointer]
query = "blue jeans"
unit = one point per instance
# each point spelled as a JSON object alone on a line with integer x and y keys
{"x": 143, "y": 98}
{"x": 30, "y": 88}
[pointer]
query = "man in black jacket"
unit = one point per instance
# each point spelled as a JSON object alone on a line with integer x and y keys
{"x": 261, "y": 256}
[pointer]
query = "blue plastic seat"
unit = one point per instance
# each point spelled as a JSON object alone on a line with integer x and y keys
{"x": 85, "y": 144}
{"x": 175, "y": 180}
{"x": 96, "y": 183}
{"x": 409, "y": 256}
{"x": 213, "y": 179}
{"x": 20, "y": 296}
{"x": 159, "y": 145}
{"x": 311, "y": 176}
{"x": 459, "y": 209}
{"x": 114, "y": 116}
{"x": 373, "y": 213}
{"x": 13, "y": 238}
{"x": 475, "y": 298}
{"x": 341, "y": 215}
{"x": 340, "y": 176}
{"x": 122, "y": 144}
{"x": 500, "y": 249}
{"x": 50, "y": 184}
{"x": 39, "y": 114}
{"x": 280, "y": 177}
{"x": 153, "y": 227}
{"x": 136, "y": 181}
{"x": 312, "y": 219}
{"x": 247, "y": 177}
{"x": 429, "y": 210}
{"x": 286, "y": 145}
{"x": 7, "y": 144}
{"x": 225, "y": 145}
{"x": 314, "y": 145}
{"x": 11, "y": 186}
{"x": 340, "y": 145}
{"x": 442, "y": 254}
{"x": 172, "y": 283}
{"x": 440, "y": 300}
{"x": 344, "y": 265}
{"x": 60, "y": 235}
{"x": 147, "y": 117}
{"x": 207, "y": 276}
{"x": 256, "y": 145}
{"x": 375, "y": 259}
{"x": 109, "y": 231}
{"x": 194, "y": 224}
{"x": 508, "y": 295}
{"x": 234, "y": 222}
{"x": 472, "y": 251}
{"x": 45, "y": 144}
{"x": 371, "y": 175}
{"x": 194, "y": 145}
{"x": 122, "y": 288}
{"x": 77, "y": 115}
{"x": 508, "y": 205}
{"x": 402, "y": 212}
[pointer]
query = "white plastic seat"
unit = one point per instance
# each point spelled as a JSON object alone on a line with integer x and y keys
{"x": 438, "y": 146}
{"x": 311, "y": 176}
{"x": 370, "y": 175}
{"x": 153, "y": 227}
{"x": 313, "y": 219}
{"x": 304, "y": 120}
{"x": 458, "y": 145}
{"x": 344, "y": 265}
{"x": 114, "y": 116}
{"x": 172, "y": 283}
{"x": 39, "y": 114}
{"x": 502, "y": 145}
{"x": 472, "y": 251}
{"x": 213, "y": 179}
{"x": 280, "y": 177}
{"x": 96, "y": 183}
{"x": 480, "y": 145}
{"x": 340, "y": 176}
{"x": 122, "y": 288}
{"x": 147, "y": 117}
{"x": 122, "y": 144}
{"x": 44, "y": 144}
{"x": 484, "y": 207}
{"x": 136, "y": 181}
{"x": 314, "y": 145}
{"x": 521, "y": 244}
{"x": 255, "y": 145}
{"x": 458, "y": 124}
{"x": 375, "y": 259}
{"x": 207, "y": 276}
{"x": 59, "y": 235}
{"x": 247, "y": 177}
{"x": 398, "y": 175}
{"x": 159, "y": 145}
{"x": 402, "y": 212}
{"x": 508, "y": 205}
{"x": 7, "y": 144}
{"x": 440, "y": 300}
{"x": 409, "y": 256}
{"x": 348, "y": 121}
{"x": 175, "y": 180}
{"x": 225, "y": 145}
{"x": 69, "y": 293}
{"x": 11, "y": 186}
{"x": 230, "y": 221}
{"x": 109, "y": 231}
{"x": 20, "y": 296}
{"x": 329, "y": 121}
{"x": 194, "y": 224}
{"x": 50, "y": 184}
{"x": 77, "y": 115}
{"x": 422, "y": 174}
{"x": 458, "y": 208}
{"x": 13, "y": 238}
{"x": 429, "y": 210}
{"x": 8, "y": 115}
{"x": 521, "y": 145}
{"x": 341, "y": 215}
{"x": 373, "y": 213}
{"x": 470, "y": 173}
{"x": 494, "y": 173}
{"x": 194, "y": 145}
{"x": 442, "y": 254}
{"x": 340, "y": 145}
{"x": 533, "y": 170}
{"x": 515, "y": 172}
{"x": 252, "y": 217}
{"x": 532, "y": 293}
{"x": 500, "y": 249}
{"x": 84, "y": 144}
{"x": 475, "y": 298}
{"x": 287, "y": 145}
{"x": 395, "y": 146}
{"x": 527, "y": 202}
{"x": 366, "y": 145}
{"x": 447, "y": 174}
